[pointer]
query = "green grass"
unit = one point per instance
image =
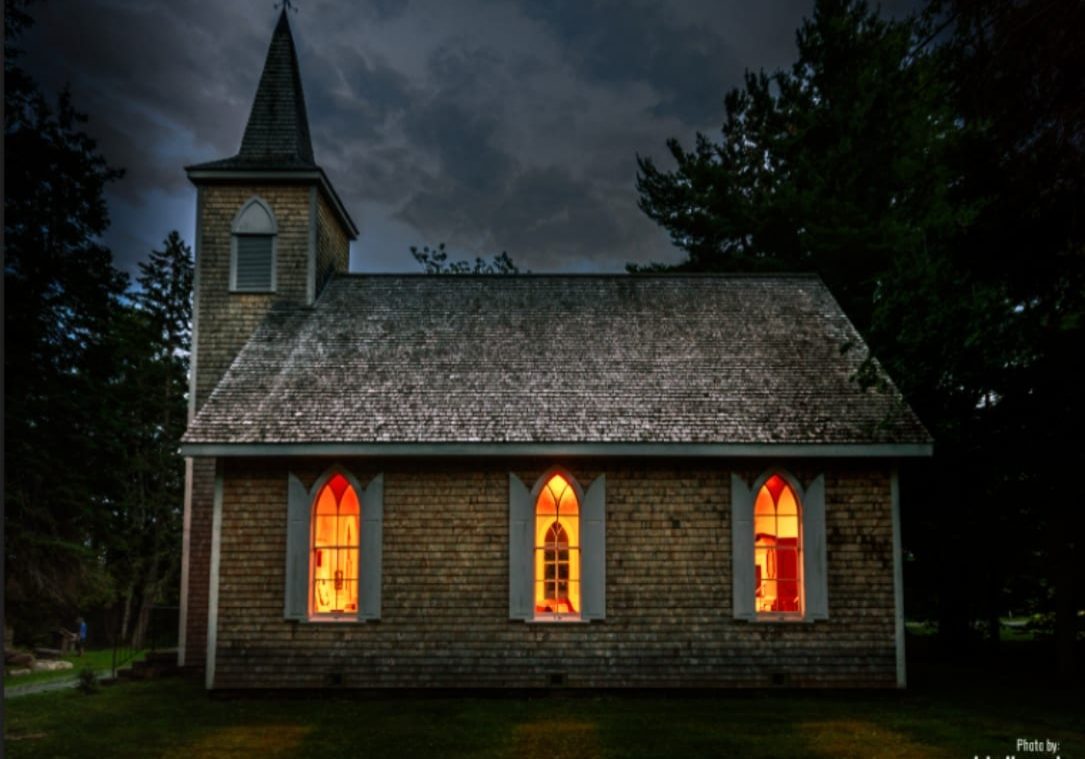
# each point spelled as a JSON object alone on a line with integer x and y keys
{"x": 176, "y": 718}
{"x": 98, "y": 660}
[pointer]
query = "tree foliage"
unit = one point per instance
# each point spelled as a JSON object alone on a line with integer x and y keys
{"x": 61, "y": 293}
{"x": 95, "y": 375}
{"x": 435, "y": 261}
{"x": 151, "y": 342}
{"x": 930, "y": 169}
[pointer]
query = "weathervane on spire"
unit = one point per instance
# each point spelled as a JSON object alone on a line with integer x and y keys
{"x": 287, "y": 5}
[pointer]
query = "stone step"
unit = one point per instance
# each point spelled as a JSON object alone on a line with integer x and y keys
{"x": 168, "y": 656}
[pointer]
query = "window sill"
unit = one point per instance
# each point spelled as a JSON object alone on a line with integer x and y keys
{"x": 780, "y": 618}
{"x": 236, "y": 291}
{"x": 554, "y": 620}
{"x": 343, "y": 620}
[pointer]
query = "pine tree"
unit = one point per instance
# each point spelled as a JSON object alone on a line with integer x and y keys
{"x": 62, "y": 292}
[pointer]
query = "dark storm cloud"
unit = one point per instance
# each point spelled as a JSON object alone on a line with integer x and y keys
{"x": 488, "y": 125}
{"x": 462, "y": 140}
{"x": 688, "y": 64}
{"x": 354, "y": 94}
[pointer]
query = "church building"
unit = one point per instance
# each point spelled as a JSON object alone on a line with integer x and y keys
{"x": 521, "y": 481}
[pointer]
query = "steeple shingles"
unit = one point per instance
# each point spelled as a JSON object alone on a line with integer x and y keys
{"x": 277, "y": 133}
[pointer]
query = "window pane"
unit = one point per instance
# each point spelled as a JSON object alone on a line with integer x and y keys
{"x": 348, "y": 563}
{"x": 546, "y": 505}
{"x": 557, "y": 560}
{"x": 334, "y": 558}
{"x": 326, "y": 503}
{"x": 567, "y": 505}
{"x": 787, "y": 564}
{"x": 786, "y": 502}
{"x": 776, "y": 548}
{"x": 324, "y": 531}
{"x": 323, "y": 595}
{"x": 764, "y": 525}
{"x": 767, "y": 601}
{"x": 763, "y": 505}
{"x": 787, "y": 527}
{"x": 348, "y": 503}
{"x": 775, "y": 485}
{"x": 347, "y": 531}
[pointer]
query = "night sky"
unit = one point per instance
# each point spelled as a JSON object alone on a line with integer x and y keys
{"x": 491, "y": 126}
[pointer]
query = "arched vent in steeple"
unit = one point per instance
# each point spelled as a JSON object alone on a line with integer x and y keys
{"x": 252, "y": 254}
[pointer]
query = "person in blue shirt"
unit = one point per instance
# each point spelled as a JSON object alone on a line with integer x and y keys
{"x": 81, "y": 642}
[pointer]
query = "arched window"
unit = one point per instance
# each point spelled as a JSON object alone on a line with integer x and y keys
{"x": 334, "y": 534}
{"x": 252, "y": 249}
{"x": 777, "y": 548}
{"x": 335, "y": 547}
{"x": 557, "y": 549}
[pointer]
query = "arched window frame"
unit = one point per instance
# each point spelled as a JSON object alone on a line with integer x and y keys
{"x": 813, "y": 578}
{"x": 591, "y": 511}
{"x": 318, "y": 492}
{"x": 243, "y": 226}
{"x": 301, "y": 511}
{"x": 536, "y": 497}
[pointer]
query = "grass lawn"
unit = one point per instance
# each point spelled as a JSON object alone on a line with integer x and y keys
{"x": 97, "y": 660}
{"x": 176, "y": 718}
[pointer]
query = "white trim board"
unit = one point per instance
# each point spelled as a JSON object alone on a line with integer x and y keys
{"x": 898, "y": 578}
{"x": 186, "y": 544}
{"x": 655, "y": 450}
{"x": 213, "y": 583}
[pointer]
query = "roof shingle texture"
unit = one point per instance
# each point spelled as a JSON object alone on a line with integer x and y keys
{"x": 277, "y": 133}
{"x": 538, "y": 358}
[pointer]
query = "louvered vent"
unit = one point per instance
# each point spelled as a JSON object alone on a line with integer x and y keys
{"x": 254, "y": 263}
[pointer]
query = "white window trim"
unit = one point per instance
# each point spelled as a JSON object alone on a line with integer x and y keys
{"x": 578, "y": 491}
{"x": 593, "y": 550}
{"x": 272, "y": 232}
{"x": 800, "y": 498}
{"x": 370, "y": 551}
{"x": 314, "y": 497}
{"x": 742, "y": 531}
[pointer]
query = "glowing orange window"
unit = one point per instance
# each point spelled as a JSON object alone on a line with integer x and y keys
{"x": 557, "y": 549}
{"x": 336, "y": 518}
{"x": 777, "y": 545}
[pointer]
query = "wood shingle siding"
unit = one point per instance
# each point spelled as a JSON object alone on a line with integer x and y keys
{"x": 445, "y": 583}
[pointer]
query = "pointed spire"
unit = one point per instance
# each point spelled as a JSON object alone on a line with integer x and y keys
{"x": 276, "y": 141}
{"x": 278, "y": 127}
{"x": 277, "y": 133}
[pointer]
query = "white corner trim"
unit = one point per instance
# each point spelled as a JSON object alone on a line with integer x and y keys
{"x": 310, "y": 271}
{"x": 186, "y": 541}
{"x": 898, "y": 578}
{"x": 193, "y": 351}
{"x": 213, "y": 590}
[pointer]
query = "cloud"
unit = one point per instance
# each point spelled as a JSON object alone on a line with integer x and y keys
{"x": 489, "y": 125}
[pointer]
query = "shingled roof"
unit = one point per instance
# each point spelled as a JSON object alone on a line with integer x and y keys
{"x": 609, "y": 362}
{"x": 277, "y": 133}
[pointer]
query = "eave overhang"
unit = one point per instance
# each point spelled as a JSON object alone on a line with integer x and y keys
{"x": 198, "y": 175}
{"x": 601, "y": 450}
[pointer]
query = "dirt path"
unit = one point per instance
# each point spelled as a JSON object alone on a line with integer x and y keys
{"x": 50, "y": 685}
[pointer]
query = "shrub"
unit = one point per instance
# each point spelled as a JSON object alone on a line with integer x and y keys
{"x": 88, "y": 681}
